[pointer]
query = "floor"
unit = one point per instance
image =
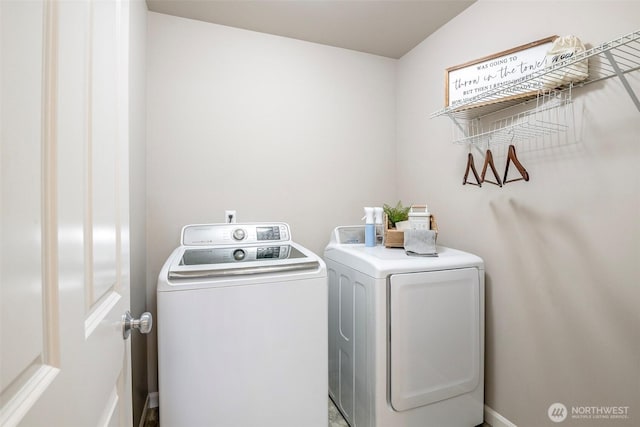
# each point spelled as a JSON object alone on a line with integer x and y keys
{"x": 335, "y": 418}
{"x": 153, "y": 418}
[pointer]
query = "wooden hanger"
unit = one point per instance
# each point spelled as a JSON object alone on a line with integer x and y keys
{"x": 488, "y": 161}
{"x": 471, "y": 166}
{"x": 511, "y": 157}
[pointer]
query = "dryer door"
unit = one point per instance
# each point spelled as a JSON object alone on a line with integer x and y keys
{"x": 435, "y": 336}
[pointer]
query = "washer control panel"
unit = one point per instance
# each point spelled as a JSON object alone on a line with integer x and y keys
{"x": 224, "y": 234}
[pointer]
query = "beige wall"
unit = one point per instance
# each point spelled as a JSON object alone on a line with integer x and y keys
{"x": 562, "y": 251}
{"x": 278, "y": 129}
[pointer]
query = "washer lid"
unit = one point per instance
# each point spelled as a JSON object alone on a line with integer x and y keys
{"x": 221, "y": 261}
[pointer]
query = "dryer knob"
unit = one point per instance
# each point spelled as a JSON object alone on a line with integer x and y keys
{"x": 239, "y": 234}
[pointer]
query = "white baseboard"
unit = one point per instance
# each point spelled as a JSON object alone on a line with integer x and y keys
{"x": 494, "y": 419}
{"x": 150, "y": 402}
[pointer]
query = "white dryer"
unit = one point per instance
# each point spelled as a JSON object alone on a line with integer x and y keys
{"x": 406, "y": 334}
{"x": 242, "y": 329}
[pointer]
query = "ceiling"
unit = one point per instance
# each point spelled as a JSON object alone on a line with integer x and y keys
{"x": 388, "y": 28}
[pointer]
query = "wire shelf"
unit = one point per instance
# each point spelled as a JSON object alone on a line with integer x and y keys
{"x": 615, "y": 58}
{"x": 550, "y": 115}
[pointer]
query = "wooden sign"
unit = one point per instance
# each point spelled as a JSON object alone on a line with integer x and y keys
{"x": 466, "y": 81}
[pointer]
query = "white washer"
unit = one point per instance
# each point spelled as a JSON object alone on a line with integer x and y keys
{"x": 406, "y": 334}
{"x": 242, "y": 329}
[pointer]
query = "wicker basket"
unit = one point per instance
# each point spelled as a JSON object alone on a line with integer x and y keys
{"x": 395, "y": 239}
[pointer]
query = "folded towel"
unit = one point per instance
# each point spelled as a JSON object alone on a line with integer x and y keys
{"x": 420, "y": 242}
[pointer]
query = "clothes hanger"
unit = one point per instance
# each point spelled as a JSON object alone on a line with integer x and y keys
{"x": 471, "y": 166}
{"x": 511, "y": 157}
{"x": 488, "y": 161}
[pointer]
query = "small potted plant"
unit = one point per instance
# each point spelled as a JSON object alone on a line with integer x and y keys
{"x": 397, "y": 219}
{"x": 397, "y": 216}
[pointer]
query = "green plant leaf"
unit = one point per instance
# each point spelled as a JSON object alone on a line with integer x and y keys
{"x": 397, "y": 213}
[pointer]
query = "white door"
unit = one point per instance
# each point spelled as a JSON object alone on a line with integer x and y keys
{"x": 64, "y": 273}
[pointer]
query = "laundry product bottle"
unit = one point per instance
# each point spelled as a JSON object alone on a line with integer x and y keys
{"x": 369, "y": 227}
{"x": 379, "y": 218}
{"x": 419, "y": 217}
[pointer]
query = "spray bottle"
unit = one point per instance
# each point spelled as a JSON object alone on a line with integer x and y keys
{"x": 369, "y": 227}
{"x": 379, "y": 217}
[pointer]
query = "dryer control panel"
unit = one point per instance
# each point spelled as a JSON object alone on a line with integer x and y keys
{"x": 238, "y": 233}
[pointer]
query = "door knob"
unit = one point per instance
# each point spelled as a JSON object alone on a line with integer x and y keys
{"x": 143, "y": 324}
